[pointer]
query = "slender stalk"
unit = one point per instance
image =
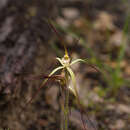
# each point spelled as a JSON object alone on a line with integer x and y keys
{"x": 62, "y": 108}
{"x": 66, "y": 102}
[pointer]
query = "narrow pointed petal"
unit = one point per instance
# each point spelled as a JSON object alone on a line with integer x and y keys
{"x": 55, "y": 70}
{"x": 72, "y": 75}
{"x": 77, "y": 60}
{"x": 60, "y": 60}
{"x": 87, "y": 62}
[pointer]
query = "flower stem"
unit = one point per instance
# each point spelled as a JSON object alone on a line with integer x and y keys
{"x": 66, "y": 103}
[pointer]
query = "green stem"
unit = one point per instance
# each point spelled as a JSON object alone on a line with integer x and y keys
{"x": 66, "y": 112}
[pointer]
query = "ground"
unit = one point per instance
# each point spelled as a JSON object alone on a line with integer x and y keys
{"x": 102, "y": 31}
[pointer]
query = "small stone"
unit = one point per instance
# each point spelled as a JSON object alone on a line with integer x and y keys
{"x": 62, "y": 22}
{"x": 71, "y": 13}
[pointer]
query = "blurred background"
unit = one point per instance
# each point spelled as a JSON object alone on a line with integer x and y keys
{"x": 94, "y": 30}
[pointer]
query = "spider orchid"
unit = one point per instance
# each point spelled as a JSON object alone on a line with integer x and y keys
{"x": 68, "y": 74}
